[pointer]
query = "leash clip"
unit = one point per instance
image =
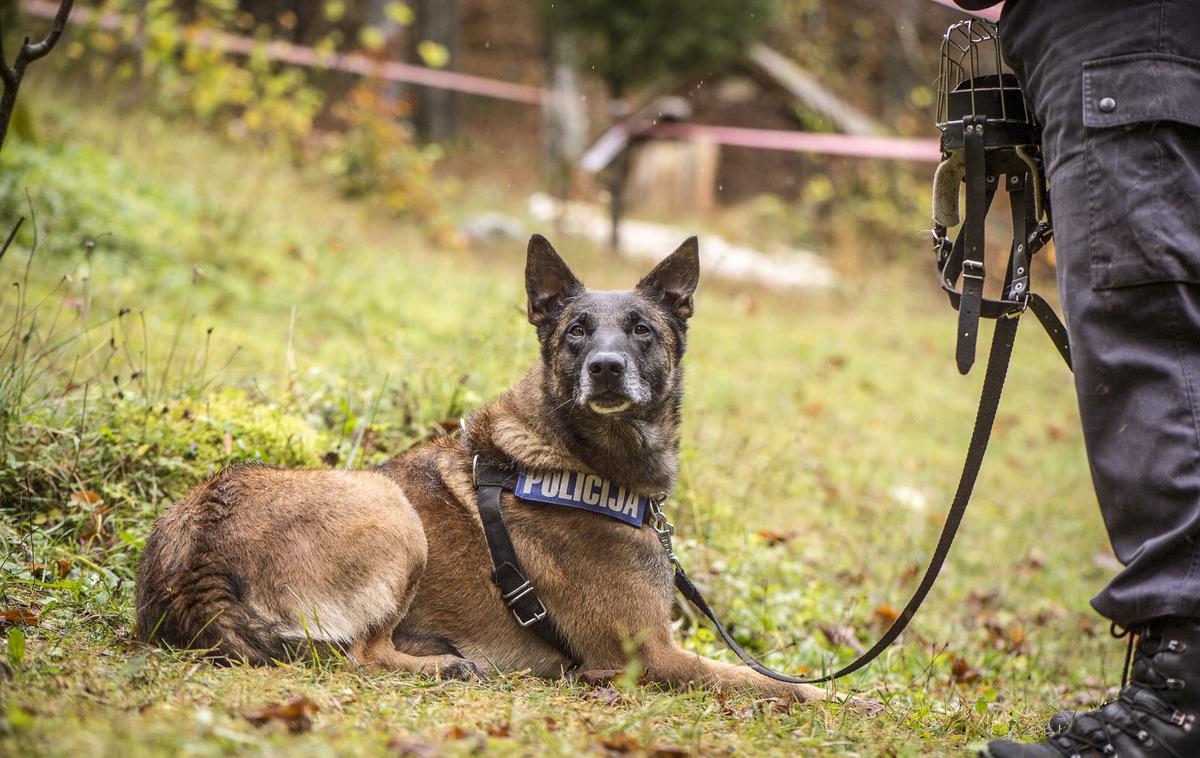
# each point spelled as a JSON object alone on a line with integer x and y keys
{"x": 665, "y": 531}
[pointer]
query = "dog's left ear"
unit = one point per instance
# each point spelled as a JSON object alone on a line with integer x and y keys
{"x": 548, "y": 281}
{"x": 674, "y": 279}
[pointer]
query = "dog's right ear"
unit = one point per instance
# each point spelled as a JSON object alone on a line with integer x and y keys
{"x": 548, "y": 281}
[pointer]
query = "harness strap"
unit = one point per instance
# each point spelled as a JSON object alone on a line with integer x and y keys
{"x": 516, "y": 590}
{"x": 989, "y": 402}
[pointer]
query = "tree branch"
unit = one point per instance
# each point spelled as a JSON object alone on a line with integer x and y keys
{"x": 33, "y": 52}
{"x": 11, "y": 75}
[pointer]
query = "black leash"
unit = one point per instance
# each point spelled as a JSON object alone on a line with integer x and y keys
{"x": 989, "y": 401}
{"x": 529, "y": 611}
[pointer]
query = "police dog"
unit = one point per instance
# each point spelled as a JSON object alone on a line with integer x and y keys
{"x": 391, "y": 565}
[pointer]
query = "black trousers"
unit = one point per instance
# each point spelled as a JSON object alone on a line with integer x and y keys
{"x": 1116, "y": 85}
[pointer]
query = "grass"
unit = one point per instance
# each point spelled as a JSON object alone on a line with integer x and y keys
{"x": 268, "y": 318}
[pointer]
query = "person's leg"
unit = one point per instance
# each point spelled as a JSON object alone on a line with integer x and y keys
{"x": 1116, "y": 85}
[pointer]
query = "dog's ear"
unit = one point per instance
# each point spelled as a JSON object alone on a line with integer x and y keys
{"x": 548, "y": 281}
{"x": 674, "y": 279}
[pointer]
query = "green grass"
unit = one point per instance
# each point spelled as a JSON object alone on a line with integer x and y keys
{"x": 268, "y": 318}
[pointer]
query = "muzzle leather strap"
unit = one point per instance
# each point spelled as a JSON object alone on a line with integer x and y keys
{"x": 972, "y": 234}
{"x": 515, "y": 588}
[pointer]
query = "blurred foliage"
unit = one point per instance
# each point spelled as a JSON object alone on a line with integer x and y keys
{"x": 164, "y": 58}
{"x": 627, "y": 44}
{"x": 881, "y": 59}
{"x": 377, "y": 154}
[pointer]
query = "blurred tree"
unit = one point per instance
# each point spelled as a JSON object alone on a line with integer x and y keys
{"x": 437, "y": 39}
{"x": 628, "y": 44}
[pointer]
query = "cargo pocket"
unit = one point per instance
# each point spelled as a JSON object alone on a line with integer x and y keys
{"x": 1141, "y": 114}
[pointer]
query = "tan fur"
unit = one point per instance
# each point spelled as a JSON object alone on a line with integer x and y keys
{"x": 258, "y": 560}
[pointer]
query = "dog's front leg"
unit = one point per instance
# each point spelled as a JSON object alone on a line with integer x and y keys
{"x": 668, "y": 663}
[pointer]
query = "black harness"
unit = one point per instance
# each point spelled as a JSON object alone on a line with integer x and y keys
{"x": 515, "y": 588}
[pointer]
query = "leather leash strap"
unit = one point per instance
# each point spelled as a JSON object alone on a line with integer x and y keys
{"x": 515, "y": 589}
{"x": 989, "y": 402}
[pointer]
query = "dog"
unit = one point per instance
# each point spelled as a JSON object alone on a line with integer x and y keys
{"x": 391, "y": 565}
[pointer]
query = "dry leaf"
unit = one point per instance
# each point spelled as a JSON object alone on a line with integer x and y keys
{"x": 620, "y": 743}
{"x": 64, "y": 567}
{"x": 667, "y": 751}
{"x": 887, "y": 613}
{"x": 85, "y": 497}
{"x": 773, "y": 705}
{"x": 773, "y": 538}
{"x": 18, "y": 616}
{"x": 413, "y": 748}
{"x": 598, "y": 677}
{"x": 296, "y": 713}
{"x": 842, "y": 636}
{"x": 608, "y": 695}
{"x": 961, "y": 671}
{"x": 498, "y": 730}
{"x": 1033, "y": 560}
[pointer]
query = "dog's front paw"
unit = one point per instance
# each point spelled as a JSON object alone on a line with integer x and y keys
{"x": 461, "y": 668}
{"x": 870, "y": 707}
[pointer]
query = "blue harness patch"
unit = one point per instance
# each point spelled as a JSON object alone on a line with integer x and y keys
{"x": 587, "y": 491}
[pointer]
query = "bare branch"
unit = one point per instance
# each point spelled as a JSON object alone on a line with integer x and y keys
{"x": 11, "y": 76}
{"x": 33, "y": 52}
{"x": 11, "y": 236}
{"x": 7, "y": 75}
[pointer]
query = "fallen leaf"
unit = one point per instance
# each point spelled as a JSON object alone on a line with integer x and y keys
{"x": 295, "y": 713}
{"x": 977, "y": 601}
{"x": 773, "y": 538}
{"x": 18, "y": 616}
{"x": 620, "y": 743}
{"x": 598, "y": 677}
{"x": 887, "y": 613}
{"x": 476, "y": 741}
{"x": 498, "y": 730}
{"x": 1016, "y": 638}
{"x": 413, "y": 748}
{"x": 667, "y": 751}
{"x": 85, "y": 497}
{"x": 64, "y": 567}
{"x": 1033, "y": 560}
{"x": 842, "y": 636}
{"x": 961, "y": 671}
{"x": 609, "y": 695}
{"x": 773, "y": 705}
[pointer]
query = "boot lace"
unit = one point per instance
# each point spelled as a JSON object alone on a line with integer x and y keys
{"x": 1129, "y": 715}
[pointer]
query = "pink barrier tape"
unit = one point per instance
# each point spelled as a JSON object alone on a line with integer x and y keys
{"x": 285, "y": 52}
{"x": 896, "y": 148}
{"x": 991, "y": 14}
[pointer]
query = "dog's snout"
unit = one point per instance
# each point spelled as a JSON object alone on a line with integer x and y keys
{"x": 606, "y": 365}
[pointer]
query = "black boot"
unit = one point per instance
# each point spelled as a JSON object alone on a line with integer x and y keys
{"x": 1155, "y": 714}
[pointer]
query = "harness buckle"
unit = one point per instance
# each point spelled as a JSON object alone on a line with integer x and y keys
{"x": 474, "y": 468}
{"x": 537, "y": 616}
{"x": 972, "y": 269}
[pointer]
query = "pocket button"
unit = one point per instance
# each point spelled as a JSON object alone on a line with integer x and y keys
{"x": 1107, "y": 104}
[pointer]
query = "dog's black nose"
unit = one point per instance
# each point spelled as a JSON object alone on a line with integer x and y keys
{"x": 606, "y": 365}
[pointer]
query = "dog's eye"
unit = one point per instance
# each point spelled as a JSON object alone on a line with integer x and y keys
{"x": 641, "y": 330}
{"x": 576, "y": 331}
